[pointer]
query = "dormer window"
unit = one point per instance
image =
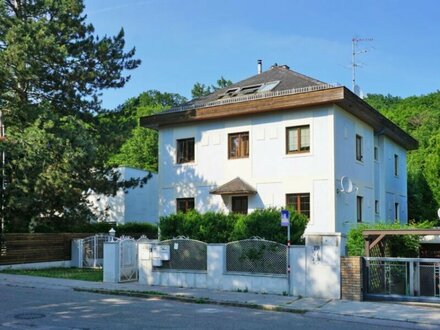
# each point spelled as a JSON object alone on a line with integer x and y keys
{"x": 250, "y": 89}
{"x": 231, "y": 92}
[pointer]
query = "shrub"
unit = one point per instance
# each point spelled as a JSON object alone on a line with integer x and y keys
{"x": 396, "y": 246}
{"x": 212, "y": 227}
{"x": 266, "y": 224}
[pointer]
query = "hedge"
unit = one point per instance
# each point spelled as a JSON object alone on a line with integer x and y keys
{"x": 131, "y": 228}
{"x": 216, "y": 227}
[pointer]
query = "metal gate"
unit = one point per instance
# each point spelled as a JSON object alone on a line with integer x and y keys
{"x": 402, "y": 279}
{"x": 93, "y": 251}
{"x": 128, "y": 259}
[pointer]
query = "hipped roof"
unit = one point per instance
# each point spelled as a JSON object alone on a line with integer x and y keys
{"x": 294, "y": 91}
{"x": 234, "y": 187}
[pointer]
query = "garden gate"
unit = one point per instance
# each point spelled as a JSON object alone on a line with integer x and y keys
{"x": 92, "y": 251}
{"x": 128, "y": 259}
{"x": 403, "y": 279}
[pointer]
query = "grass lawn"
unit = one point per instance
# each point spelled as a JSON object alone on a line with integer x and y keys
{"x": 85, "y": 274}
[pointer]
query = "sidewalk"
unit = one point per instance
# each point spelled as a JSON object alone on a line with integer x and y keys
{"x": 413, "y": 315}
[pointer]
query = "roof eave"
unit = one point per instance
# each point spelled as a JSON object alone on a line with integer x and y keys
{"x": 340, "y": 96}
{"x": 271, "y": 104}
{"x": 382, "y": 125}
{"x": 229, "y": 193}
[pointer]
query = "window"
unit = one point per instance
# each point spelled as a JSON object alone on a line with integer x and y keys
{"x": 376, "y": 153}
{"x": 376, "y": 206}
{"x": 184, "y": 204}
{"x": 229, "y": 93}
{"x": 185, "y": 151}
{"x": 267, "y": 87}
{"x": 396, "y": 165}
{"x": 359, "y": 208}
{"x": 240, "y": 204}
{"x": 396, "y": 212}
{"x": 299, "y": 202}
{"x": 238, "y": 145}
{"x": 359, "y": 154}
{"x": 249, "y": 89}
{"x": 297, "y": 139}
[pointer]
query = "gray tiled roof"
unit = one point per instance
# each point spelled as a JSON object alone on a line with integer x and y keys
{"x": 287, "y": 78}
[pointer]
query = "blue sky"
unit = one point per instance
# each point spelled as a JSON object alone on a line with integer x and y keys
{"x": 181, "y": 42}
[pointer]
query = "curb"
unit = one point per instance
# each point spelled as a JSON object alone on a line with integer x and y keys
{"x": 190, "y": 299}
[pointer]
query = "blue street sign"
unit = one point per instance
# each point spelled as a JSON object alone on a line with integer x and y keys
{"x": 285, "y": 218}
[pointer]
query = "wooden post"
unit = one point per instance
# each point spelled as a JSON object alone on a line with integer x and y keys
{"x": 367, "y": 246}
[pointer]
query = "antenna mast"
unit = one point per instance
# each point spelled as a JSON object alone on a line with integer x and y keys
{"x": 356, "y": 51}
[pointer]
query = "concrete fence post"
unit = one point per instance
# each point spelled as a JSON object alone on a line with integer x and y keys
{"x": 111, "y": 262}
{"x": 145, "y": 263}
{"x": 215, "y": 265}
{"x": 298, "y": 274}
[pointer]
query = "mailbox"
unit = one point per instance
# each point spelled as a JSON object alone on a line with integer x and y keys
{"x": 160, "y": 253}
{"x": 164, "y": 252}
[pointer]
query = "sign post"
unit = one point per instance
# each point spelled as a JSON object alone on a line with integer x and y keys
{"x": 285, "y": 222}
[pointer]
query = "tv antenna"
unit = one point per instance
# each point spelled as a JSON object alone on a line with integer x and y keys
{"x": 356, "y": 51}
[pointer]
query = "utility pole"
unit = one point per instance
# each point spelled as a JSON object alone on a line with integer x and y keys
{"x": 356, "y": 51}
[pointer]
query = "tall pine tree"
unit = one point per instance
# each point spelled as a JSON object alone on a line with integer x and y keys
{"x": 52, "y": 70}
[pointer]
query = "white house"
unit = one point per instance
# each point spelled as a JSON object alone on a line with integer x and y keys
{"x": 138, "y": 204}
{"x": 280, "y": 138}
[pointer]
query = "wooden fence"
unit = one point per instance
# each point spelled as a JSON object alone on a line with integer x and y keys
{"x": 28, "y": 248}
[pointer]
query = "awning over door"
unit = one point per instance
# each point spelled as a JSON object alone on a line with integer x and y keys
{"x": 234, "y": 187}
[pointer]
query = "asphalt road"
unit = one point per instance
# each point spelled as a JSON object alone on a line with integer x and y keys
{"x": 34, "y": 308}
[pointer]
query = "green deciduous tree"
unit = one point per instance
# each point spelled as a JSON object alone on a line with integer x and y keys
{"x": 52, "y": 71}
{"x": 200, "y": 90}
{"x": 133, "y": 145}
{"x": 420, "y": 117}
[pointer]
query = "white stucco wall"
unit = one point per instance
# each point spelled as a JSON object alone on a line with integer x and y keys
{"x": 308, "y": 278}
{"x": 373, "y": 179}
{"x": 268, "y": 169}
{"x": 274, "y": 173}
{"x": 395, "y": 186}
{"x": 138, "y": 204}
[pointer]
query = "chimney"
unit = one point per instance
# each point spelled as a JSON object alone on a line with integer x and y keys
{"x": 259, "y": 66}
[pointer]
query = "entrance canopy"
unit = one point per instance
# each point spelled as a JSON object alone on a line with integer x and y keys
{"x": 234, "y": 187}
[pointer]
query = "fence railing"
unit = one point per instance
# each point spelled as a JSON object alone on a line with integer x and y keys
{"x": 185, "y": 254}
{"x": 251, "y": 97}
{"x": 256, "y": 255}
{"x": 418, "y": 277}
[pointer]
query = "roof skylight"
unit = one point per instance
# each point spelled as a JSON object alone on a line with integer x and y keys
{"x": 267, "y": 87}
